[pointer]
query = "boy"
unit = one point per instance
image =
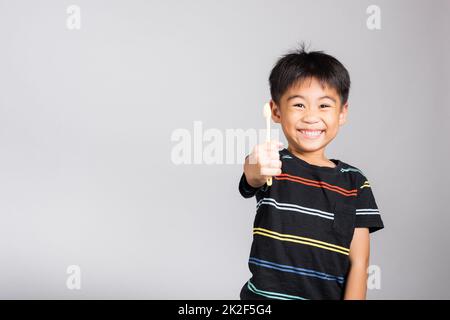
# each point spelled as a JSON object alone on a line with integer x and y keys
{"x": 312, "y": 225}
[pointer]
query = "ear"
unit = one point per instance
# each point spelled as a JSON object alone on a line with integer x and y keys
{"x": 276, "y": 114}
{"x": 343, "y": 114}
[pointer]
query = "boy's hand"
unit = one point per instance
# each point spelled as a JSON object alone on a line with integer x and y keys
{"x": 262, "y": 163}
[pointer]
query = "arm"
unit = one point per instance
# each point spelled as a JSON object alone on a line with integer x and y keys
{"x": 356, "y": 286}
{"x": 251, "y": 180}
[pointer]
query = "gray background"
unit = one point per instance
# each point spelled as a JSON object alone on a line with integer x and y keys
{"x": 86, "y": 118}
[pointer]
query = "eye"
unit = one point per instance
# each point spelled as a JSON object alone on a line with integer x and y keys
{"x": 298, "y": 105}
{"x": 324, "y": 106}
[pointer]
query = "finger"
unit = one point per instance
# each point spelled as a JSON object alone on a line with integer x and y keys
{"x": 270, "y": 171}
{"x": 264, "y": 162}
{"x": 274, "y": 155}
{"x": 269, "y": 155}
{"x": 271, "y": 160}
{"x": 278, "y": 144}
{"x": 275, "y": 164}
{"x": 273, "y": 145}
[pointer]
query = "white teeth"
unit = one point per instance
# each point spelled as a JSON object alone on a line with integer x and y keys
{"x": 311, "y": 133}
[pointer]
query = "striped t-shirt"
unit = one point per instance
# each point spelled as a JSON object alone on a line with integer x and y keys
{"x": 303, "y": 228}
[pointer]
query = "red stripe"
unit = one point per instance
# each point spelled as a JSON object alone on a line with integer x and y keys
{"x": 319, "y": 184}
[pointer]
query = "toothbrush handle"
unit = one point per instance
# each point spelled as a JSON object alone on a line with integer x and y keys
{"x": 269, "y": 179}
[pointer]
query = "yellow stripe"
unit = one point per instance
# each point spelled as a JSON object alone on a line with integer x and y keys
{"x": 303, "y": 242}
{"x": 365, "y": 184}
{"x": 312, "y": 242}
{"x": 302, "y": 238}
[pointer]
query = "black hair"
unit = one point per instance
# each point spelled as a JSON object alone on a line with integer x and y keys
{"x": 299, "y": 65}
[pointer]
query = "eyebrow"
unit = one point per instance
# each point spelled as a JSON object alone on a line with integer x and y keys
{"x": 302, "y": 97}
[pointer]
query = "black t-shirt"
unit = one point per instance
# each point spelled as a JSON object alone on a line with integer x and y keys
{"x": 303, "y": 228}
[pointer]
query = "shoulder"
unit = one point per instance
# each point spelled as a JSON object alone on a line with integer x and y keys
{"x": 354, "y": 171}
{"x": 357, "y": 175}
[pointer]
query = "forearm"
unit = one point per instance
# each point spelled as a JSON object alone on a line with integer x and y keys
{"x": 356, "y": 287}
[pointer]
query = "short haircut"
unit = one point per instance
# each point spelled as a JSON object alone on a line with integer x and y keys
{"x": 299, "y": 65}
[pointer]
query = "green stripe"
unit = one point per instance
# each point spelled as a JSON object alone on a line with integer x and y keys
{"x": 269, "y": 294}
{"x": 351, "y": 169}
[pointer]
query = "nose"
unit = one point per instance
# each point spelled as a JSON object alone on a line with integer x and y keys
{"x": 310, "y": 116}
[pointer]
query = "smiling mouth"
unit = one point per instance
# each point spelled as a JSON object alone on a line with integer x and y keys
{"x": 310, "y": 134}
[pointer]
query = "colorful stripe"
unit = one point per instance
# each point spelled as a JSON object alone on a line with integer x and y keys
{"x": 271, "y": 294}
{"x": 301, "y": 240}
{"x": 294, "y": 208}
{"x": 351, "y": 169}
{"x": 367, "y": 211}
{"x": 296, "y": 270}
{"x": 318, "y": 184}
{"x": 366, "y": 184}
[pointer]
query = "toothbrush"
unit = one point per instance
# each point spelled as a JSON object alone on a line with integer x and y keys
{"x": 268, "y": 115}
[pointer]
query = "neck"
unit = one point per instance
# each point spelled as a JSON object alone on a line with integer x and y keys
{"x": 317, "y": 158}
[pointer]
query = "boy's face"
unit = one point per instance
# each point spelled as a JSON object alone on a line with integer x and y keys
{"x": 310, "y": 115}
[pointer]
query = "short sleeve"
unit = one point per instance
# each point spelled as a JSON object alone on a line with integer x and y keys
{"x": 367, "y": 213}
{"x": 246, "y": 190}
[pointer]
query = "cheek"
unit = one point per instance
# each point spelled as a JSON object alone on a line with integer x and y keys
{"x": 332, "y": 121}
{"x": 332, "y": 128}
{"x": 289, "y": 121}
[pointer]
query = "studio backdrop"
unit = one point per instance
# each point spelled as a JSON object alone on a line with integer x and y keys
{"x": 109, "y": 111}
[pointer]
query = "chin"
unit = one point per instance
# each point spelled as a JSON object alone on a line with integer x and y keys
{"x": 310, "y": 148}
